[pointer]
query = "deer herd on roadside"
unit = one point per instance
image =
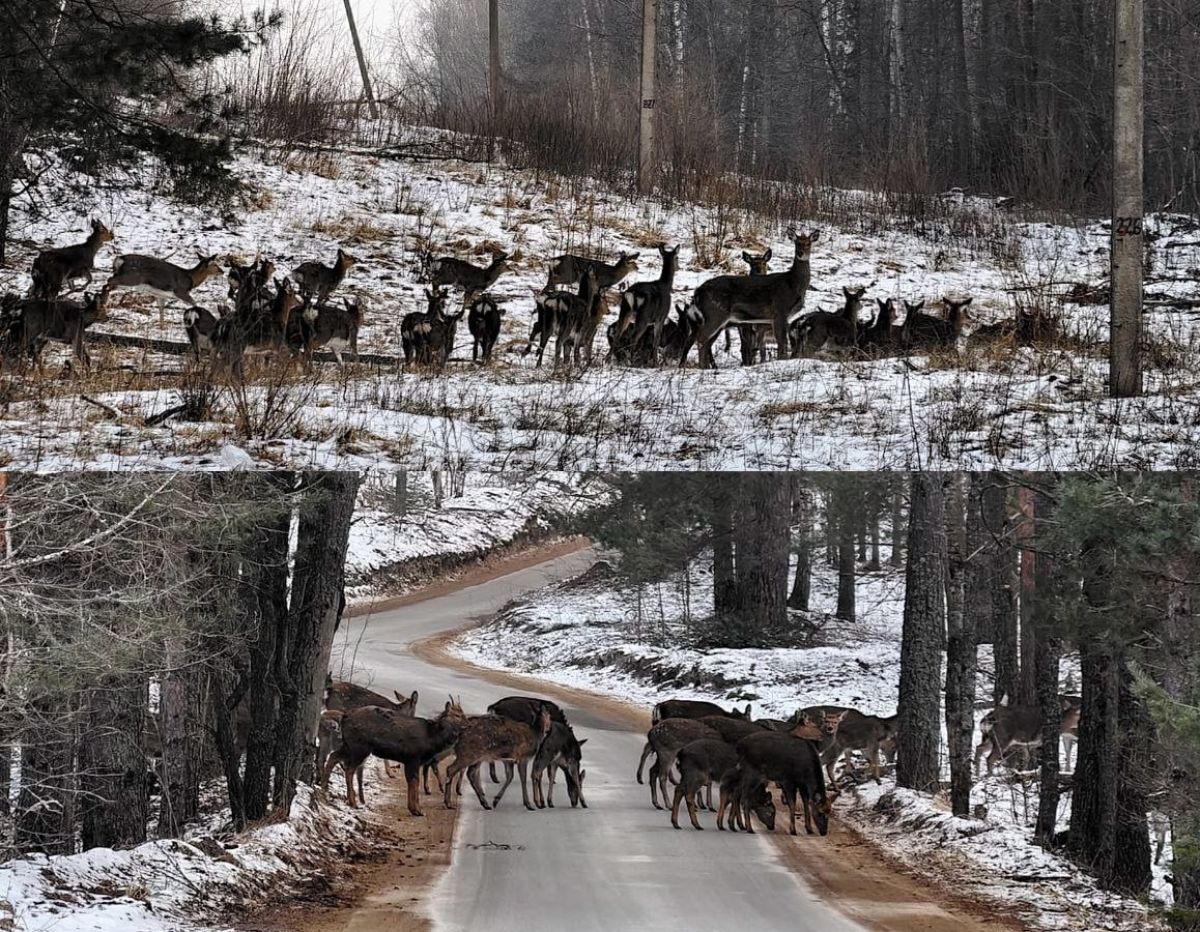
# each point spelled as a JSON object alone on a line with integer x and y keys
{"x": 694, "y": 744}
{"x": 292, "y": 316}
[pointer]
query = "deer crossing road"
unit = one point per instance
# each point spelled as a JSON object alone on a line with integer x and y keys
{"x": 616, "y": 865}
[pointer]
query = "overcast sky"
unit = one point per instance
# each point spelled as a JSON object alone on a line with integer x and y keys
{"x": 376, "y": 18}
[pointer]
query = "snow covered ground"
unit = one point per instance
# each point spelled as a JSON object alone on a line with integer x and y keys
{"x": 993, "y": 406}
{"x": 590, "y": 635}
{"x": 180, "y": 885}
{"x": 387, "y": 551}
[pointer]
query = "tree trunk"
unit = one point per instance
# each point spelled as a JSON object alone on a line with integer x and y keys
{"x": 114, "y": 791}
{"x": 965, "y": 535}
{"x": 45, "y": 820}
{"x": 1027, "y": 681}
{"x": 324, "y": 533}
{"x": 896, "y": 558}
{"x": 1003, "y": 627}
{"x": 802, "y": 587}
{"x": 761, "y": 536}
{"x": 923, "y": 638}
{"x": 400, "y": 505}
{"x": 724, "y": 584}
{"x": 182, "y": 739}
{"x": 845, "y": 597}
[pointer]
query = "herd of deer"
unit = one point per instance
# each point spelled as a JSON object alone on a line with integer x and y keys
{"x": 709, "y": 744}
{"x": 518, "y": 731}
{"x": 293, "y": 315}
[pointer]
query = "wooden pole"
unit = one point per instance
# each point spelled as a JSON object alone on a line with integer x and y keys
{"x": 646, "y": 134}
{"x": 1125, "y": 319}
{"x": 362, "y": 63}
{"x": 494, "y": 88}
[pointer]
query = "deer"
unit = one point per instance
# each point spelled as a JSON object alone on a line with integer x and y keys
{"x": 664, "y": 740}
{"x": 752, "y": 337}
{"x": 199, "y": 324}
{"x": 858, "y": 732}
{"x": 393, "y": 736}
{"x": 693, "y": 708}
{"x": 493, "y": 737}
{"x": 162, "y": 279}
{"x": 335, "y": 328}
{"x": 559, "y": 750}
{"x": 525, "y": 709}
{"x": 36, "y": 321}
{"x": 647, "y": 305}
{"x": 705, "y": 761}
{"x": 253, "y": 331}
{"x": 483, "y": 322}
{"x": 427, "y": 337}
{"x": 64, "y": 264}
{"x": 925, "y": 330}
{"x": 879, "y": 334}
{"x": 1007, "y": 726}
{"x": 450, "y": 272}
{"x": 341, "y": 696}
{"x": 776, "y": 298}
{"x": 315, "y": 280}
{"x": 821, "y": 330}
{"x": 795, "y": 764}
{"x": 569, "y": 317}
{"x": 732, "y": 730}
{"x": 250, "y": 286}
{"x": 570, "y": 270}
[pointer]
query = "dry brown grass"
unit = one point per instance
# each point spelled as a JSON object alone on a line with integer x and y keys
{"x": 322, "y": 164}
{"x": 349, "y": 228}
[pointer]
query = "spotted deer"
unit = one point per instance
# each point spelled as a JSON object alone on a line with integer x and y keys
{"x": 494, "y": 738}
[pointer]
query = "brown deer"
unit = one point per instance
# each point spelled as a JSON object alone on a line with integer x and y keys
{"x": 795, "y": 765}
{"x": 559, "y": 750}
{"x": 64, "y": 264}
{"x": 858, "y": 732}
{"x": 706, "y": 761}
{"x": 427, "y": 337}
{"x": 250, "y": 285}
{"x": 161, "y": 279}
{"x": 569, "y": 270}
{"x": 821, "y": 330}
{"x": 473, "y": 280}
{"x": 879, "y": 334}
{"x": 753, "y": 337}
{"x": 664, "y": 740}
{"x": 341, "y": 696}
{"x": 34, "y": 322}
{"x": 924, "y": 330}
{"x": 388, "y": 734}
{"x": 200, "y": 324}
{"x": 483, "y": 323}
{"x": 569, "y": 317}
{"x": 252, "y": 331}
{"x": 776, "y": 298}
{"x": 646, "y": 305}
{"x": 693, "y": 708}
{"x": 492, "y": 737}
{"x": 320, "y": 281}
{"x": 324, "y": 326}
{"x": 1009, "y": 726}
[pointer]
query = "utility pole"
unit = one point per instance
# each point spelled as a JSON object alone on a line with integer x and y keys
{"x": 1125, "y": 319}
{"x": 362, "y": 63}
{"x": 646, "y": 133}
{"x": 494, "y": 90}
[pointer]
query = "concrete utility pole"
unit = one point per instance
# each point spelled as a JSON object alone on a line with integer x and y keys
{"x": 646, "y": 134}
{"x": 1125, "y": 321}
{"x": 494, "y": 90}
{"x": 362, "y": 63}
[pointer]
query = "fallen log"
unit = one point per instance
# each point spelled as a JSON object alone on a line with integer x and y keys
{"x": 172, "y": 348}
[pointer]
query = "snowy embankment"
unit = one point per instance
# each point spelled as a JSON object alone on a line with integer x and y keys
{"x": 389, "y": 552}
{"x": 589, "y": 634}
{"x": 997, "y": 405}
{"x": 181, "y": 885}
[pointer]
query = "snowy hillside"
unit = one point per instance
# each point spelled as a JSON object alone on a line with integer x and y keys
{"x": 991, "y": 405}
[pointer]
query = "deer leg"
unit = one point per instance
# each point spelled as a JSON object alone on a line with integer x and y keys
{"x": 348, "y": 772}
{"x": 722, "y": 806}
{"x": 664, "y": 772}
{"x": 477, "y": 785}
{"x": 807, "y": 816}
{"x": 654, "y": 783}
{"x": 412, "y": 771}
{"x": 781, "y": 336}
{"x": 645, "y": 753}
{"x": 523, "y": 772}
{"x": 550, "y": 785}
{"x": 508, "y": 775}
{"x": 451, "y": 772}
{"x": 539, "y": 798}
{"x": 358, "y": 774}
{"x": 492, "y": 771}
{"x": 873, "y": 757}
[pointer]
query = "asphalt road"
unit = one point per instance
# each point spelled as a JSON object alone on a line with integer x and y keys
{"x": 618, "y": 865}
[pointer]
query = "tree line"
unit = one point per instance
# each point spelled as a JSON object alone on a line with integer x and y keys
{"x": 907, "y": 95}
{"x": 156, "y": 629}
{"x": 1039, "y": 566}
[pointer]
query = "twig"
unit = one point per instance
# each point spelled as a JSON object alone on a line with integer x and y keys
{"x": 106, "y": 408}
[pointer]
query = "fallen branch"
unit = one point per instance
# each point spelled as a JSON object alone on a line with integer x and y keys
{"x": 171, "y": 348}
{"x": 106, "y": 408}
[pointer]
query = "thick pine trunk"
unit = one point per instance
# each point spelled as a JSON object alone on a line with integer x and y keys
{"x": 181, "y": 722}
{"x": 845, "y": 596}
{"x": 1003, "y": 627}
{"x": 923, "y": 638}
{"x": 762, "y": 537}
{"x": 1046, "y": 662}
{"x": 964, "y": 540}
{"x": 1027, "y": 681}
{"x": 896, "y": 557}
{"x": 114, "y": 791}
{"x": 45, "y": 818}
{"x": 724, "y": 584}
{"x": 324, "y": 533}
{"x": 802, "y": 585}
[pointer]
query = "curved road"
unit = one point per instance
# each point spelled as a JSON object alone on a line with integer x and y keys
{"x": 616, "y": 865}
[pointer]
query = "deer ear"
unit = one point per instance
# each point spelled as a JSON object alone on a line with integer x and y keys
{"x": 583, "y": 742}
{"x": 767, "y": 256}
{"x": 746, "y": 257}
{"x": 967, "y": 303}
